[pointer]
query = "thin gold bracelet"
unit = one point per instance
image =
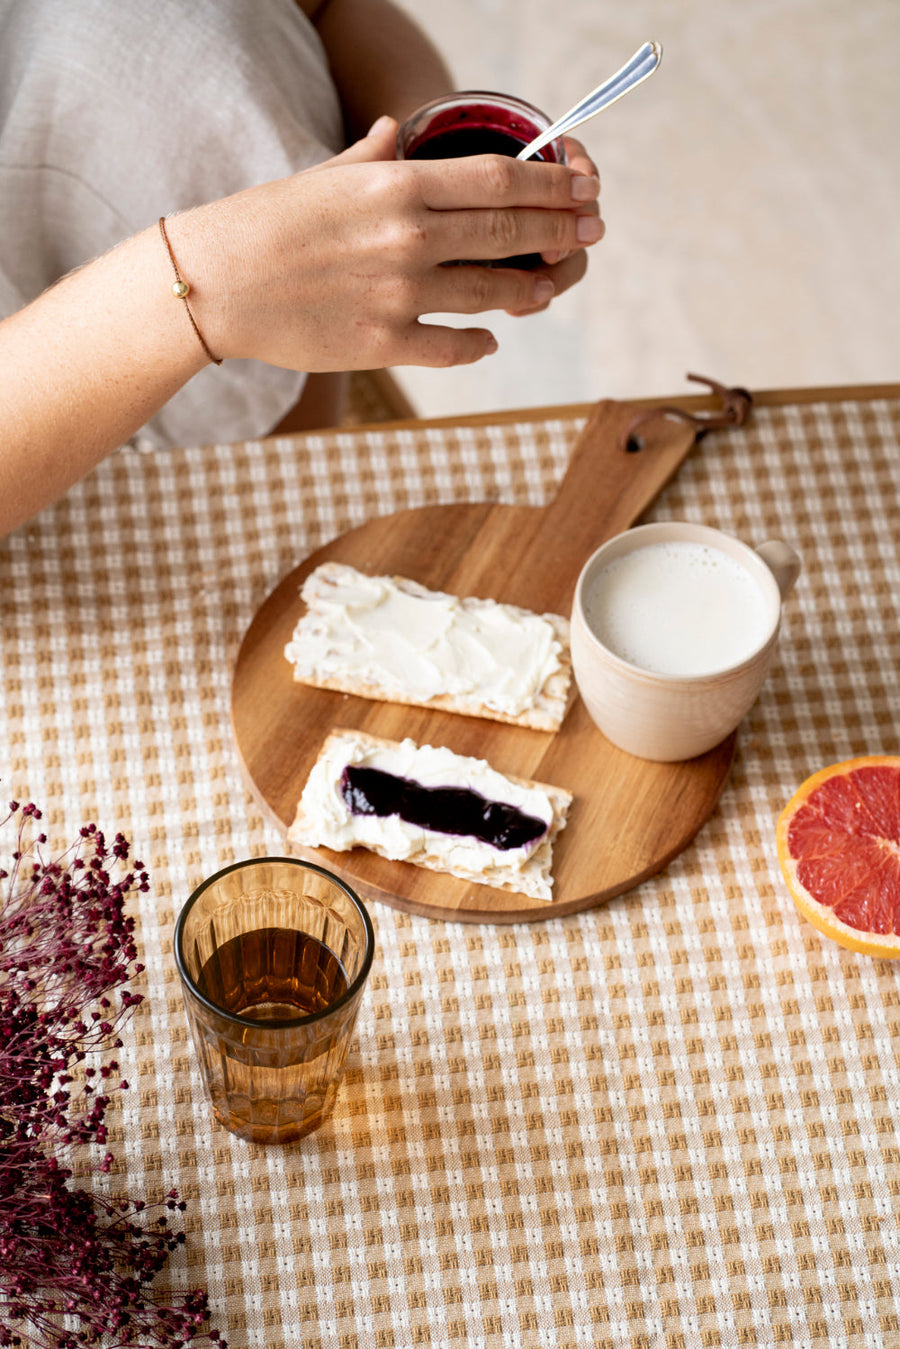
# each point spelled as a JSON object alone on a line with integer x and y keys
{"x": 181, "y": 290}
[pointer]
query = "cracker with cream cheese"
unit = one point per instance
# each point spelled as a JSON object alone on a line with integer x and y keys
{"x": 391, "y": 639}
{"x": 325, "y": 818}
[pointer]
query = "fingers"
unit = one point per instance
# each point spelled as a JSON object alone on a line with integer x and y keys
{"x": 568, "y": 271}
{"x": 432, "y": 344}
{"x": 555, "y": 255}
{"x": 480, "y": 208}
{"x": 497, "y": 234}
{"x": 578, "y": 158}
{"x": 586, "y": 234}
{"x": 379, "y": 143}
{"x": 581, "y": 164}
{"x": 554, "y": 281}
{"x": 486, "y": 181}
{"x": 475, "y": 290}
{"x": 491, "y": 207}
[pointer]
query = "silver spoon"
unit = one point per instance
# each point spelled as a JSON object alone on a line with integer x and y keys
{"x": 633, "y": 73}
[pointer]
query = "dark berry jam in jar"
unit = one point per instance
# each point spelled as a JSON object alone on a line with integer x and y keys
{"x": 477, "y": 122}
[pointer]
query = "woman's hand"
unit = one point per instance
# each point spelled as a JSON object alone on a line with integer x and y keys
{"x": 333, "y": 268}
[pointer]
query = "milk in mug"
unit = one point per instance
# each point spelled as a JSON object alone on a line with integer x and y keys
{"x": 678, "y": 608}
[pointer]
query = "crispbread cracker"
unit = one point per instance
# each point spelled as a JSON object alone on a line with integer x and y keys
{"x": 545, "y": 713}
{"x": 312, "y": 827}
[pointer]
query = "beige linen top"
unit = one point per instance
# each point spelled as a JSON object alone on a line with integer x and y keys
{"x": 113, "y": 113}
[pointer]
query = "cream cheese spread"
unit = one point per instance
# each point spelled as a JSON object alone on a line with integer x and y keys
{"x": 391, "y": 637}
{"x": 327, "y": 820}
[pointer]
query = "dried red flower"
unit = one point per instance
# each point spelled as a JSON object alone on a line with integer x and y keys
{"x": 75, "y": 1267}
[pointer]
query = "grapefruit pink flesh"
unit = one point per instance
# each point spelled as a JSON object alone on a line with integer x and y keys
{"x": 845, "y": 841}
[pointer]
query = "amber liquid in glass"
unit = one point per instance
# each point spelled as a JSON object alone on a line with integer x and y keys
{"x": 273, "y": 974}
{"x": 277, "y": 1081}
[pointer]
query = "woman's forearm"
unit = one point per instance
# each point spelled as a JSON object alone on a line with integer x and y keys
{"x": 84, "y": 366}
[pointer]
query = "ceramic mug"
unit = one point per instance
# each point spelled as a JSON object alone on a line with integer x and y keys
{"x": 673, "y": 630}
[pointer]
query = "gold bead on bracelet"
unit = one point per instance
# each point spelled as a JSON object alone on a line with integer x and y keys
{"x": 181, "y": 290}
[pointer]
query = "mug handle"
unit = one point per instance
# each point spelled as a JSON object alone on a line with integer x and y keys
{"x": 784, "y": 564}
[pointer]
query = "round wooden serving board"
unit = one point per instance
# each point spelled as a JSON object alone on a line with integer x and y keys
{"x": 629, "y": 817}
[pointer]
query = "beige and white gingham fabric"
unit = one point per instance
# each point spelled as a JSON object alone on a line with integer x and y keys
{"x": 672, "y": 1121}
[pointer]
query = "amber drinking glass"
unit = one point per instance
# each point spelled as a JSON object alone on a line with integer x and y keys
{"x": 273, "y": 955}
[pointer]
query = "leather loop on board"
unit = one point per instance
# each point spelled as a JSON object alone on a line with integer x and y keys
{"x": 736, "y": 404}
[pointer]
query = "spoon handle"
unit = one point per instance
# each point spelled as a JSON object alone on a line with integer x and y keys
{"x": 641, "y": 65}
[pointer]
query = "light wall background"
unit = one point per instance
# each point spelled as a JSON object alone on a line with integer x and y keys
{"x": 751, "y": 191}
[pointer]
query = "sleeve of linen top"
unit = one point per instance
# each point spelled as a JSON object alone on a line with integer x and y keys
{"x": 114, "y": 114}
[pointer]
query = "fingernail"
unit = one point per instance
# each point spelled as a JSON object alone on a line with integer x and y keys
{"x": 588, "y": 229}
{"x": 490, "y": 345}
{"x": 378, "y": 126}
{"x": 584, "y": 188}
{"x": 544, "y": 290}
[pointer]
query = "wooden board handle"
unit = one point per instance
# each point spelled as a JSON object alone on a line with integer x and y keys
{"x": 621, "y": 483}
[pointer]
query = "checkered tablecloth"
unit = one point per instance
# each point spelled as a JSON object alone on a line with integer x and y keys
{"x": 669, "y": 1121}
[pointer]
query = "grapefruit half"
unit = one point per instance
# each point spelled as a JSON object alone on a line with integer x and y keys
{"x": 839, "y": 848}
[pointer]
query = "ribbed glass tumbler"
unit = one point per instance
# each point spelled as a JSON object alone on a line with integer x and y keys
{"x": 273, "y": 955}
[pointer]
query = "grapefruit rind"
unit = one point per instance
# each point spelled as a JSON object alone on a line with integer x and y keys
{"x": 884, "y": 946}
